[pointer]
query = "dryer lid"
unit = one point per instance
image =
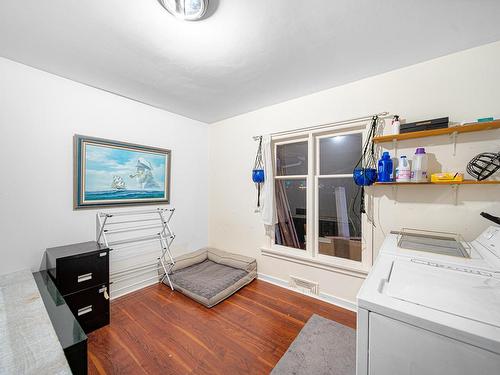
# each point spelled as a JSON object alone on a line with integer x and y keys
{"x": 465, "y": 292}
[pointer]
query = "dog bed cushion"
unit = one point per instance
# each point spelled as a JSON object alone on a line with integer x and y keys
{"x": 210, "y": 275}
{"x": 207, "y": 278}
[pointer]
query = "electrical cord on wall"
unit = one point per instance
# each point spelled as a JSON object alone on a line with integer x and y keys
{"x": 367, "y": 160}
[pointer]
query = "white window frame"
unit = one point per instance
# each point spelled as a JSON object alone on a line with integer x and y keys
{"x": 311, "y": 254}
{"x": 294, "y": 177}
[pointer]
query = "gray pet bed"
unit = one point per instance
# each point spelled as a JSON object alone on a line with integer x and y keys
{"x": 210, "y": 275}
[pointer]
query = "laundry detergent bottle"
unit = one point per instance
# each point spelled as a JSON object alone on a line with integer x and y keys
{"x": 419, "y": 166}
{"x": 403, "y": 171}
{"x": 385, "y": 168}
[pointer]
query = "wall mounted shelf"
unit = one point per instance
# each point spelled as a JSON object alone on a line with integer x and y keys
{"x": 453, "y": 133}
{"x": 465, "y": 182}
{"x": 454, "y": 185}
{"x": 467, "y": 128}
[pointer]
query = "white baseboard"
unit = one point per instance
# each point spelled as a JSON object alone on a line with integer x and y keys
{"x": 340, "y": 302}
{"x": 131, "y": 290}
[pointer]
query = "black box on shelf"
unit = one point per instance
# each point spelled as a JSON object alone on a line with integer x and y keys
{"x": 437, "y": 123}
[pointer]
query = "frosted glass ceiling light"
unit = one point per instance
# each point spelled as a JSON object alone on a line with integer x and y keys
{"x": 188, "y": 10}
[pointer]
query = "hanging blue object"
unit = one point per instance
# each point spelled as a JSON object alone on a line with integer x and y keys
{"x": 258, "y": 171}
{"x": 364, "y": 176}
{"x": 364, "y": 172}
{"x": 258, "y": 176}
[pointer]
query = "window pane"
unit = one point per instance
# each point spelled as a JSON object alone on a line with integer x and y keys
{"x": 339, "y": 154}
{"x": 339, "y": 224}
{"x": 291, "y": 210}
{"x": 291, "y": 159}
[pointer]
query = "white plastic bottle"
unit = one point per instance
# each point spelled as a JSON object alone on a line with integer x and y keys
{"x": 403, "y": 171}
{"x": 395, "y": 124}
{"x": 419, "y": 166}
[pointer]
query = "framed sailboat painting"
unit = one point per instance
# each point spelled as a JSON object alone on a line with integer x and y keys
{"x": 111, "y": 173}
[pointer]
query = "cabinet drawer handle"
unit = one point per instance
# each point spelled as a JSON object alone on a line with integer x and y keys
{"x": 103, "y": 254}
{"x": 85, "y": 310}
{"x": 86, "y": 277}
{"x": 105, "y": 291}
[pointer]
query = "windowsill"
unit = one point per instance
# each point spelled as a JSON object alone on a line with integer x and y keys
{"x": 292, "y": 256}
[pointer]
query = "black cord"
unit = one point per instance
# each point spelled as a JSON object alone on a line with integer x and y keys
{"x": 490, "y": 217}
{"x": 259, "y": 163}
{"x": 367, "y": 160}
{"x": 355, "y": 213}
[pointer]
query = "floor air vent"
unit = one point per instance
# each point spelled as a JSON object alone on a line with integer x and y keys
{"x": 303, "y": 285}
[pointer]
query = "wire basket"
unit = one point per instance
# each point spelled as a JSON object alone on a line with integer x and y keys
{"x": 484, "y": 165}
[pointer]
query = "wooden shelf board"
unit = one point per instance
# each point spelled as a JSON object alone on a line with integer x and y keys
{"x": 465, "y": 182}
{"x": 467, "y": 128}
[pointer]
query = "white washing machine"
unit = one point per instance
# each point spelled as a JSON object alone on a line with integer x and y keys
{"x": 431, "y": 306}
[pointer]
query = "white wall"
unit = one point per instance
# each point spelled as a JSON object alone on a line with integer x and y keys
{"x": 39, "y": 114}
{"x": 463, "y": 86}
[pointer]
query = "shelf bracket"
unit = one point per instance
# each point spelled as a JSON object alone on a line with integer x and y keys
{"x": 454, "y": 188}
{"x": 395, "y": 147}
{"x": 395, "y": 193}
{"x": 454, "y": 139}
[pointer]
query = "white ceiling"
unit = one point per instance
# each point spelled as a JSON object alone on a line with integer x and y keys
{"x": 246, "y": 55}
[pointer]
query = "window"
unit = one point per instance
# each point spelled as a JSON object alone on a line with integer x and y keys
{"x": 317, "y": 202}
{"x": 291, "y": 193}
{"x": 339, "y": 221}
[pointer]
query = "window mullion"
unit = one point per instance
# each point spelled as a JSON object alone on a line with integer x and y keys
{"x": 346, "y": 175}
{"x": 316, "y": 196}
{"x": 291, "y": 177}
{"x": 310, "y": 212}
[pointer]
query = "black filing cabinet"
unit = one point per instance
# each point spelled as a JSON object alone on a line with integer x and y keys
{"x": 81, "y": 274}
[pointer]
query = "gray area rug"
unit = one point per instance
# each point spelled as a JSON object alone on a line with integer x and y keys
{"x": 322, "y": 347}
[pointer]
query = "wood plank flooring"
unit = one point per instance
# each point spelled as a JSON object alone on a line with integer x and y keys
{"x": 157, "y": 331}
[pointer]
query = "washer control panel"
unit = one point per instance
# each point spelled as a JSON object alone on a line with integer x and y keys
{"x": 472, "y": 271}
{"x": 490, "y": 239}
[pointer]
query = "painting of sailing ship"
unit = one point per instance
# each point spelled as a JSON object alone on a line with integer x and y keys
{"x": 118, "y": 183}
{"x": 117, "y": 173}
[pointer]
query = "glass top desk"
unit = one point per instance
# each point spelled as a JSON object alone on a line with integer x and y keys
{"x": 71, "y": 336}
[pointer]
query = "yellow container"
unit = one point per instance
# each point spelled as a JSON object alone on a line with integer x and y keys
{"x": 447, "y": 177}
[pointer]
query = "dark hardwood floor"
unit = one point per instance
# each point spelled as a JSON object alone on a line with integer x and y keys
{"x": 157, "y": 331}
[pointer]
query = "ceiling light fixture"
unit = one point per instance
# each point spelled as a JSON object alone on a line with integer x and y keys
{"x": 187, "y": 10}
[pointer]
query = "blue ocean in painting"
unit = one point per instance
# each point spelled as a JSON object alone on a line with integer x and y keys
{"x": 123, "y": 194}
{"x": 121, "y": 174}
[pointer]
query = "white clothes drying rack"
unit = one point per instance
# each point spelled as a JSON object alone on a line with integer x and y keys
{"x": 155, "y": 220}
